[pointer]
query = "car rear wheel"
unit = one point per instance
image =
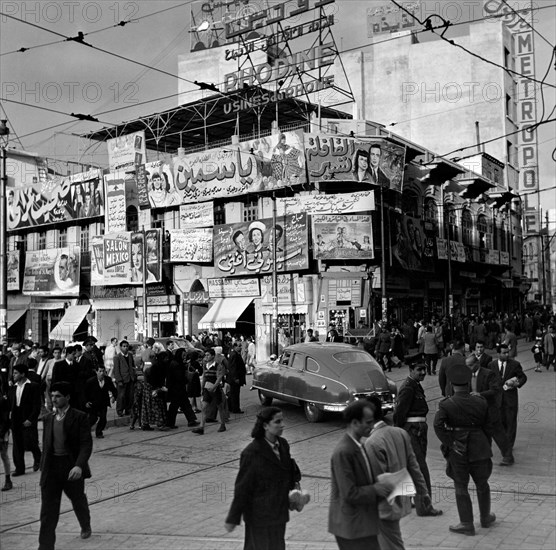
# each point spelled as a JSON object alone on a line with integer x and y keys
{"x": 265, "y": 400}
{"x": 312, "y": 413}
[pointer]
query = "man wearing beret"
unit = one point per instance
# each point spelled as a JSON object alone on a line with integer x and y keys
{"x": 411, "y": 415}
{"x": 463, "y": 427}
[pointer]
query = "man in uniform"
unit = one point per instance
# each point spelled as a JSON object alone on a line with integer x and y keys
{"x": 463, "y": 428}
{"x": 411, "y": 415}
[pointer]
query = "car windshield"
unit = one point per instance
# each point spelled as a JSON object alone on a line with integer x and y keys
{"x": 355, "y": 356}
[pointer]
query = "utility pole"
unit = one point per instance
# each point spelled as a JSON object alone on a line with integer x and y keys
{"x": 4, "y": 133}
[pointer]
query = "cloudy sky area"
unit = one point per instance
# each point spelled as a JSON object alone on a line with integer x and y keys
{"x": 72, "y": 78}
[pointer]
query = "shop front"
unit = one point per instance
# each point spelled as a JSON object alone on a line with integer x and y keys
{"x": 113, "y": 313}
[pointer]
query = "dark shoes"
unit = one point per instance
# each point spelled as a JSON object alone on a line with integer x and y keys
{"x": 16, "y": 473}
{"x": 431, "y": 512}
{"x": 100, "y": 436}
{"x": 488, "y": 521}
{"x": 146, "y": 428}
{"x": 507, "y": 460}
{"x": 198, "y": 431}
{"x": 85, "y": 533}
{"x": 193, "y": 423}
{"x": 222, "y": 428}
{"x": 463, "y": 529}
{"x": 36, "y": 465}
{"x": 7, "y": 486}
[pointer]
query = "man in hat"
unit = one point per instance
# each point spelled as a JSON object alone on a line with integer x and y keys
{"x": 411, "y": 415}
{"x": 463, "y": 427}
{"x": 511, "y": 378}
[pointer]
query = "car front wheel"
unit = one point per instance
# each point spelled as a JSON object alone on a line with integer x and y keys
{"x": 265, "y": 400}
{"x": 312, "y": 413}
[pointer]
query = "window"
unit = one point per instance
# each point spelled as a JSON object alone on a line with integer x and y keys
{"x": 410, "y": 203}
{"x": 298, "y": 362}
{"x": 494, "y": 235}
{"x": 250, "y": 210}
{"x": 466, "y": 227}
{"x": 509, "y": 107}
{"x": 430, "y": 215}
{"x": 483, "y": 227}
{"x": 132, "y": 218}
{"x": 312, "y": 365}
{"x": 157, "y": 220}
{"x": 84, "y": 238}
{"x": 219, "y": 214}
{"x": 42, "y": 240}
{"x": 62, "y": 238}
{"x": 285, "y": 359}
{"x": 452, "y": 228}
{"x": 503, "y": 238}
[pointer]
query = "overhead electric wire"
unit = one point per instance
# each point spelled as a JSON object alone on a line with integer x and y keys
{"x": 527, "y": 23}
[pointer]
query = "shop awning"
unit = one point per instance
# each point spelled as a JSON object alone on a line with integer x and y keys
{"x": 287, "y": 309}
{"x": 15, "y": 315}
{"x": 69, "y": 323}
{"x": 224, "y": 313}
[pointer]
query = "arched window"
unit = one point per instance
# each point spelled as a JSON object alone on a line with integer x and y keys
{"x": 494, "y": 235}
{"x": 467, "y": 227}
{"x": 451, "y": 223}
{"x": 503, "y": 237}
{"x": 410, "y": 203}
{"x": 485, "y": 236}
{"x": 430, "y": 215}
{"x": 132, "y": 218}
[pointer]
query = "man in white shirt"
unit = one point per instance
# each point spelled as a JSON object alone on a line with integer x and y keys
{"x": 109, "y": 353}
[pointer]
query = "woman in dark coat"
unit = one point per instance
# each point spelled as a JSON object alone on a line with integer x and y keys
{"x": 195, "y": 371}
{"x": 153, "y": 410}
{"x": 267, "y": 473}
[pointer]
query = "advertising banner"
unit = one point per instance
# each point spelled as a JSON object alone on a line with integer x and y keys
{"x": 457, "y": 249}
{"x": 115, "y": 218}
{"x": 153, "y": 251}
{"x": 344, "y": 203}
{"x": 257, "y": 165}
{"x": 191, "y": 245}
{"x": 126, "y": 151}
{"x": 142, "y": 190}
{"x": 374, "y": 161}
{"x": 342, "y": 236}
{"x": 52, "y": 272}
{"x": 160, "y": 185}
{"x": 246, "y": 248}
{"x": 228, "y": 288}
{"x": 13, "y": 269}
{"x": 197, "y": 215}
{"x": 410, "y": 246}
{"x": 56, "y": 200}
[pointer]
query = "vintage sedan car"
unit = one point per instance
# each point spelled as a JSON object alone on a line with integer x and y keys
{"x": 323, "y": 377}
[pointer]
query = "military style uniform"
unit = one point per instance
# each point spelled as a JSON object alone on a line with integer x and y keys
{"x": 462, "y": 425}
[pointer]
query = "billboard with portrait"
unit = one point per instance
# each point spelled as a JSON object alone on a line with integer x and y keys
{"x": 52, "y": 272}
{"x": 342, "y": 236}
{"x": 247, "y": 248}
{"x": 13, "y": 269}
{"x": 377, "y": 162}
{"x": 411, "y": 248}
{"x": 55, "y": 200}
{"x": 126, "y": 151}
{"x": 160, "y": 185}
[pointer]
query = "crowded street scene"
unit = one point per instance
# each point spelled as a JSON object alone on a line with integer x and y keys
{"x": 277, "y": 275}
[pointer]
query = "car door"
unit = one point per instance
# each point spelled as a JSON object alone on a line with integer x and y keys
{"x": 317, "y": 385}
{"x": 294, "y": 377}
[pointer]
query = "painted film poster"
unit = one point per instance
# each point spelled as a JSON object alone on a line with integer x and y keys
{"x": 56, "y": 200}
{"x": 52, "y": 272}
{"x": 191, "y": 245}
{"x": 13, "y": 269}
{"x": 374, "y": 161}
{"x": 115, "y": 218}
{"x": 257, "y": 165}
{"x": 339, "y": 236}
{"x": 246, "y": 248}
{"x": 160, "y": 185}
{"x": 126, "y": 151}
{"x": 410, "y": 247}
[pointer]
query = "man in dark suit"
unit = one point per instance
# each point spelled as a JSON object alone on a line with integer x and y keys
{"x": 125, "y": 376}
{"x": 236, "y": 376}
{"x": 92, "y": 353}
{"x": 84, "y": 372}
{"x": 378, "y": 177}
{"x": 463, "y": 428}
{"x": 511, "y": 377}
{"x": 67, "y": 446}
{"x": 483, "y": 357}
{"x": 25, "y": 407}
{"x": 353, "y": 512}
{"x": 97, "y": 395}
{"x": 456, "y": 359}
{"x": 64, "y": 370}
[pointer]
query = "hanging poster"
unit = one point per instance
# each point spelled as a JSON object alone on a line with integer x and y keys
{"x": 160, "y": 185}
{"x": 13, "y": 269}
{"x": 56, "y": 200}
{"x": 153, "y": 252}
{"x": 342, "y": 236}
{"x": 191, "y": 245}
{"x": 126, "y": 151}
{"x": 247, "y": 248}
{"x": 373, "y": 161}
{"x": 410, "y": 248}
{"x": 197, "y": 215}
{"x": 52, "y": 272}
{"x": 344, "y": 203}
{"x": 115, "y": 218}
{"x": 257, "y": 165}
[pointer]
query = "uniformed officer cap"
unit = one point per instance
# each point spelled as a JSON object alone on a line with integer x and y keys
{"x": 459, "y": 375}
{"x": 413, "y": 360}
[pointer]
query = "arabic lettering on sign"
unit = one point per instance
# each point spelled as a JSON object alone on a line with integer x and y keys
{"x": 389, "y": 18}
{"x": 247, "y": 248}
{"x": 126, "y": 151}
{"x": 115, "y": 219}
{"x": 286, "y": 285}
{"x": 58, "y": 199}
{"x": 197, "y": 215}
{"x": 343, "y": 203}
{"x": 191, "y": 245}
{"x": 142, "y": 191}
{"x": 228, "y": 288}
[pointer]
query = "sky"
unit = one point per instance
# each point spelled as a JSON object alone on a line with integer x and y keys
{"x": 69, "y": 77}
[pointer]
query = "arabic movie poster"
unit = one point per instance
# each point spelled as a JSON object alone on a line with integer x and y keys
{"x": 246, "y": 248}
{"x": 191, "y": 245}
{"x": 374, "y": 161}
{"x": 342, "y": 236}
{"x": 197, "y": 215}
{"x": 13, "y": 269}
{"x": 153, "y": 252}
{"x": 55, "y": 200}
{"x": 52, "y": 272}
{"x": 115, "y": 218}
{"x": 160, "y": 185}
{"x": 257, "y": 165}
{"x": 411, "y": 249}
{"x": 126, "y": 151}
